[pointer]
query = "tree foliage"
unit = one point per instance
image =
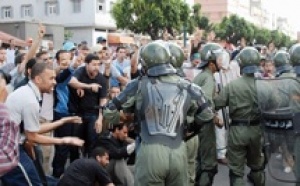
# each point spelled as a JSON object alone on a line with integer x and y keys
{"x": 262, "y": 35}
{"x": 233, "y": 28}
{"x": 68, "y": 34}
{"x": 198, "y": 20}
{"x": 151, "y": 16}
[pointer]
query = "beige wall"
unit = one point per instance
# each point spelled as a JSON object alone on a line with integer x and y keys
{"x": 215, "y": 10}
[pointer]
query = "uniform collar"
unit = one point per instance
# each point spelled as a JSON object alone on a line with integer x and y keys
{"x": 36, "y": 90}
{"x": 208, "y": 70}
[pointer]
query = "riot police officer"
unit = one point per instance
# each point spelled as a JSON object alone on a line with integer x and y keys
{"x": 245, "y": 133}
{"x": 282, "y": 64}
{"x": 192, "y": 144}
{"x": 295, "y": 61}
{"x": 207, "y": 156}
{"x": 164, "y": 105}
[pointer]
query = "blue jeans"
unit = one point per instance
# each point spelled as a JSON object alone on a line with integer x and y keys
{"x": 87, "y": 132}
{"x": 17, "y": 177}
{"x": 63, "y": 151}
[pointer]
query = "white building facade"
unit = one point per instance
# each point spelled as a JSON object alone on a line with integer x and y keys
{"x": 85, "y": 20}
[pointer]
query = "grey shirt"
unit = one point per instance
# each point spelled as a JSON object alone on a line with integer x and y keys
{"x": 23, "y": 105}
{"x": 115, "y": 71}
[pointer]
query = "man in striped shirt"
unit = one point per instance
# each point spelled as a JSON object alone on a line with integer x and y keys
{"x": 9, "y": 135}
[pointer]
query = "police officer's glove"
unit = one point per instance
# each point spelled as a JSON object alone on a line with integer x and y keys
{"x": 130, "y": 148}
{"x": 218, "y": 122}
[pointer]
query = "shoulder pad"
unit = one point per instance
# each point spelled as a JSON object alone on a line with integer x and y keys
{"x": 132, "y": 87}
{"x": 184, "y": 83}
{"x": 130, "y": 90}
{"x": 194, "y": 90}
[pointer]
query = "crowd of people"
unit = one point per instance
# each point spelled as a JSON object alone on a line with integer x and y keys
{"x": 153, "y": 113}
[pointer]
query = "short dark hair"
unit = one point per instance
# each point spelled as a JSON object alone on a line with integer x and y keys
{"x": 38, "y": 68}
{"x": 119, "y": 48}
{"x": 90, "y": 57}
{"x": 84, "y": 47}
{"x": 60, "y": 52}
{"x": 31, "y": 62}
{"x": 39, "y": 54}
{"x": 101, "y": 39}
{"x": 84, "y": 42}
{"x": 19, "y": 58}
{"x": 98, "y": 151}
{"x": 119, "y": 126}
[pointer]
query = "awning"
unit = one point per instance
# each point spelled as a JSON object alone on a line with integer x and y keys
{"x": 117, "y": 39}
{"x": 5, "y": 38}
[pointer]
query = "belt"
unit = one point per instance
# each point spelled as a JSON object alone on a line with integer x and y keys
{"x": 245, "y": 123}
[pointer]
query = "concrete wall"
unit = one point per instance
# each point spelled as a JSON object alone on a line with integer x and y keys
{"x": 82, "y": 34}
{"x": 88, "y": 16}
{"x": 25, "y": 30}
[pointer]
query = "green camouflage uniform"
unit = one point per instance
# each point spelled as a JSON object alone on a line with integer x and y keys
{"x": 207, "y": 154}
{"x": 244, "y": 141}
{"x": 158, "y": 164}
{"x": 297, "y": 153}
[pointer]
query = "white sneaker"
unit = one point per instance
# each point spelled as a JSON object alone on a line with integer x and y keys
{"x": 287, "y": 169}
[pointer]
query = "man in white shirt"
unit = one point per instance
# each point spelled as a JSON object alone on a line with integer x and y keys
{"x": 24, "y": 107}
{"x": 10, "y": 52}
{"x": 229, "y": 72}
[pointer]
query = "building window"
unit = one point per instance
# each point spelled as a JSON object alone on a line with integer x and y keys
{"x": 51, "y": 8}
{"x": 26, "y": 11}
{"x": 76, "y": 6}
{"x": 7, "y": 12}
{"x": 100, "y": 5}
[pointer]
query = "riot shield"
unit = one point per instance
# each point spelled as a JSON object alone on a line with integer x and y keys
{"x": 279, "y": 104}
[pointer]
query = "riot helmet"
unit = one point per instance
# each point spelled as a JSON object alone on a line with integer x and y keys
{"x": 154, "y": 54}
{"x": 155, "y": 58}
{"x": 282, "y": 62}
{"x": 295, "y": 57}
{"x": 177, "y": 55}
{"x": 209, "y": 53}
{"x": 249, "y": 60}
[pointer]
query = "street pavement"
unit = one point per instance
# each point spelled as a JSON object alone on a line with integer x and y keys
{"x": 276, "y": 168}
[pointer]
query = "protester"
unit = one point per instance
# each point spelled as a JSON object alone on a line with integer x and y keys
{"x": 88, "y": 171}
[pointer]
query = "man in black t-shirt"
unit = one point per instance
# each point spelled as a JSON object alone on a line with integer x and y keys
{"x": 92, "y": 89}
{"x": 88, "y": 172}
